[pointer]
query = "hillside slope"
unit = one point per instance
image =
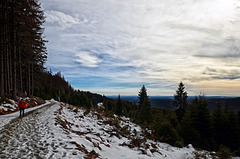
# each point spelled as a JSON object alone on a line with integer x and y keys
{"x": 58, "y": 130}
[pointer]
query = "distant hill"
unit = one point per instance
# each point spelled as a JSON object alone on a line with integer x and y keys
{"x": 165, "y": 102}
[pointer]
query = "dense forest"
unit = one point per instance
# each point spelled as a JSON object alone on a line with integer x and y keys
{"x": 22, "y": 47}
{"x": 22, "y": 57}
{"x": 56, "y": 87}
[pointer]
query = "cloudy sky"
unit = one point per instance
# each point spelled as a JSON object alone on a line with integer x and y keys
{"x": 113, "y": 47}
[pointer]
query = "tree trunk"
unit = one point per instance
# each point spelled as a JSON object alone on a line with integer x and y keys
{"x": 14, "y": 84}
{"x": 7, "y": 71}
{"x": 32, "y": 82}
{"x": 29, "y": 79}
{"x": 20, "y": 71}
{"x": 2, "y": 52}
{"x": 2, "y": 76}
{"x": 13, "y": 52}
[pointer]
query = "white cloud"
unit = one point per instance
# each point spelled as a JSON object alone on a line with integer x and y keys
{"x": 87, "y": 59}
{"x": 60, "y": 18}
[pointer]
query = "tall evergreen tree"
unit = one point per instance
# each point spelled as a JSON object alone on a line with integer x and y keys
{"x": 202, "y": 123}
{"x": 232, "y": 134}
{"x": 119, "y": 109}
{"x": 187, "y": 130}
{"x": 142, "y": 96}
{"x": 219, "y": 124}
{"x": 180, "y": 101}
{"x": 239, "y": 118}
{"x": 144, "y": 115}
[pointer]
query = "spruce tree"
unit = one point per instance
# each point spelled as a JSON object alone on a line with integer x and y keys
{"x": 232, "y": 134}
{"x": 144, "y": 115}
{"x": 201, "y": 121}
{"x": 180, "y": 101}
{"x": 196, "y": 125}
{"x": 219, "y": 124}
{"x": 187, "y": 131}
{"x": 119, "y": 110}
{"x": 239, "y": 118}
{"x": 142, "y": 96}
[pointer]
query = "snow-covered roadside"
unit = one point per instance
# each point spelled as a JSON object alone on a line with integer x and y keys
{"x": 5, "y": 119}
{"x": 7, "y": 106}
{"x": 91, "y": 135}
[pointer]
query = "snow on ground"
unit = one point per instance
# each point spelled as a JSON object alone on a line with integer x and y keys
{"x": 5, "y": 119}
{"x": 12, "y": 106}
{"x": 94, "y": 135}
{"x": 8, "y": 106}
{"x": 57, "y": 130}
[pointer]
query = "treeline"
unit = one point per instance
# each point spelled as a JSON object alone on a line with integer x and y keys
{"x": 22, "y": 47}
{"x": 211, "y": 131}
{"x": 191, "y": 123}
{"x": 56, "y": 87}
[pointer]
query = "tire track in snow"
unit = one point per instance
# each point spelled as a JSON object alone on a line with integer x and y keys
{"x": 26, "y": 137}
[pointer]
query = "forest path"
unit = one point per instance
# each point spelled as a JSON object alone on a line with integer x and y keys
{"x": 29, "y": 136}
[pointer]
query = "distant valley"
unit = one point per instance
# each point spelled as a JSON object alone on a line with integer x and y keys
{"x": 165, "y": 102}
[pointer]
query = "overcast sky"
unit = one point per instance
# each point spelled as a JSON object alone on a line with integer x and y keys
{"x": 113, "y": 47}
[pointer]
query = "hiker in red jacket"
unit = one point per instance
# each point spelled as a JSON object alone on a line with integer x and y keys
{"x": 22, "y": 105}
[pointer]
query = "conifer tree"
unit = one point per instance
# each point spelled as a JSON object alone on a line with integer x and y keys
{"x": 108, "y": 104}
{"x": 202, "y": 123}
{"x": 188, "y": 131}
{"x": 142, "y": 96}
{"x": 196, "y": 125}
{"x": 144, "y": 115}
{"x": 232, "y": 137}
{"x": 180, "y": 101}
{"x": 239, "y": 118}
{"x": 119, "y": 109}
{"x": 219, "y": 124}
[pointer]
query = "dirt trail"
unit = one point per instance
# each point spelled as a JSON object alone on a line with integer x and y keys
{"x": 28, "y": 137}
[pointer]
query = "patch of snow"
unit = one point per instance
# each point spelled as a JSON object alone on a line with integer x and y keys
{"x": 100, "y": 104}
{"x": 93, "y": 134}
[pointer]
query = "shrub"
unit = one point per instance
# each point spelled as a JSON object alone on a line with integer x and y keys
{"x": 125, "y": 131}
{"x": 224, "y": 152}
{"x": 86, "y": 112}
{"x": 116, "y": 123}
{"x": 99, "y": 117}
{"x": 137, "y": 142}
{"x": 167, "y": 133}
{"x": 200, "y": 155}
{"x": 179, "y": 143}
{"x": 5, "y": 100}
{"x": 109, "y": 114}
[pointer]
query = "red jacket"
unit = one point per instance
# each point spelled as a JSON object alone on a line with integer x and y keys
{"x": 22, "y": 104}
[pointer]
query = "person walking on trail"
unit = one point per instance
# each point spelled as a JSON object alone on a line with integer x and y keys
{"x": 22, "y": 105}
